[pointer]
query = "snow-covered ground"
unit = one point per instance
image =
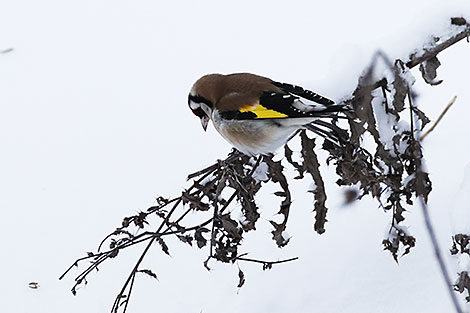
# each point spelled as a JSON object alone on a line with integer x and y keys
{"x": 94, "y": 119}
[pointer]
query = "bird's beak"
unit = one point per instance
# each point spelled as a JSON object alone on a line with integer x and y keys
{"x": 204, "y": 122}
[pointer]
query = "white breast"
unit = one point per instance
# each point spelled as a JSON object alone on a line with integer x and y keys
{"x": 254, "y": 137}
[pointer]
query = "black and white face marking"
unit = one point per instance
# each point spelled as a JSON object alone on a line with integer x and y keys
{"x": 195, "y": 106}
{"x": 199, "y": 100}
{"x": 201, "y": 108}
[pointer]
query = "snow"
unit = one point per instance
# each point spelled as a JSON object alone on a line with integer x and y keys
{"x": 286, "y": 236}
{"x": 464, "y": 262}
{"x": 261, "y": 172}
{"x": 385, "y": 122}
{"x": 94, "y": 125}
{"x": 312, "y": 187}
{"x": 461, "y": 205}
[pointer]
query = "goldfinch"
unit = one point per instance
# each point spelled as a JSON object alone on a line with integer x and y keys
{"x": 257, "y": 115}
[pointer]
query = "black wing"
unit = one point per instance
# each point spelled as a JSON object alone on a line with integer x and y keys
{"x": 287, "y": 104}
{"x": 304, "y": 93}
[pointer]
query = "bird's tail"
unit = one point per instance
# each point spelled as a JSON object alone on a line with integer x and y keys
{"x": 329, "y": 131}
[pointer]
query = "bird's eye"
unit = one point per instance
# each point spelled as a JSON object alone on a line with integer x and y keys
{"x": 199, "y": 112}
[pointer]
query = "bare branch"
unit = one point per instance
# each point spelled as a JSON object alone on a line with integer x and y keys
{"x": 430, "y": 53}
{"x": 266, "y": 264}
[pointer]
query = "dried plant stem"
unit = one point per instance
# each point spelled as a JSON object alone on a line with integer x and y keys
{"x": 100, "y": 257}
{"x": 438, "y": 119}
{"x": 131, "y": 278}
{"x": 266, "y": 262}
{"x": 439, "y": 48}
{"x": 430, "y": 228}
{"x": 153, "y": 236}
{"x": 438, "y": 255}
{"x": 211, "y": 168}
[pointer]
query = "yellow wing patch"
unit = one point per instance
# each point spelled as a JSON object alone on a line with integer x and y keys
{"x": 263, "y": 112}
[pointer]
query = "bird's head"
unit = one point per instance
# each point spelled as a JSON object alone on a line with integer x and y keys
{"x": 200, "y": 108}
{"x": 201, "y": 98}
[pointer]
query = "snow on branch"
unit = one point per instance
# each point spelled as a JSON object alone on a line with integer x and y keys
{"x": 389, "y": 170}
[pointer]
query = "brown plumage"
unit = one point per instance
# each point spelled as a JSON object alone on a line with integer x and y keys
{"x": 233, "y": 91}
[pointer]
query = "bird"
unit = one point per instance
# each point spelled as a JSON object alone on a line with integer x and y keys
{"x": 257, "y": 115}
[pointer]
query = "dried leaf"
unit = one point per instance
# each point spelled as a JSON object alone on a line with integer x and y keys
{"x": 428, "y": 71}
{"x": 400, "y": 88}
{"x": 398, "y": 215}
{"x": 311, "y": 166}
{"x": 114, "y": 253}
{"x": 163, "y": 245}
{"x": 230, "y": 226}
{"x": 421, "y": 116}
{"x": 140, "y": 219}
{"x": 423, "y": 185}
{"x": 195, "y": 202}
{"x": 267, "y": 266}
{"x": 249, "y": 207}
{"x": 297, "y": 166}
{"x": 397, "y": 239}
{"x": 463, "y": 242}
{"x": 186, "y": 239}
{"x": 241, "y": 277}
{"x": 149, "y": 273}
{"x": 275, "y": 173}
{"x": 362, "y": 106}
{"x": 200, "y": 240}
{"x": 463, "y": 283}
{"x": 460, "y": 21}
{"x": 277, "y": 234}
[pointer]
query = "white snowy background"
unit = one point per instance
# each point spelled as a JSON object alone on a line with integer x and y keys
{"x": 94, "y": 125}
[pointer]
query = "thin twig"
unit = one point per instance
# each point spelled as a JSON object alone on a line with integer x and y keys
{"x": 75, "y": 264}
{"x": 136, "y": 239}
{"x": 82, "y": 276}
{"x": 266, "y": 262}
{"x": 209, "y": 169}
{"x": 130, "y": 292}
{"x": 214, "y": 166}
{"x": 129, "y": 278}
{"x": 212, "y": 241}
{"x": 222, "y": 181}
{"x": 438, "y": 119}
{"x": 258, "y": 161}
